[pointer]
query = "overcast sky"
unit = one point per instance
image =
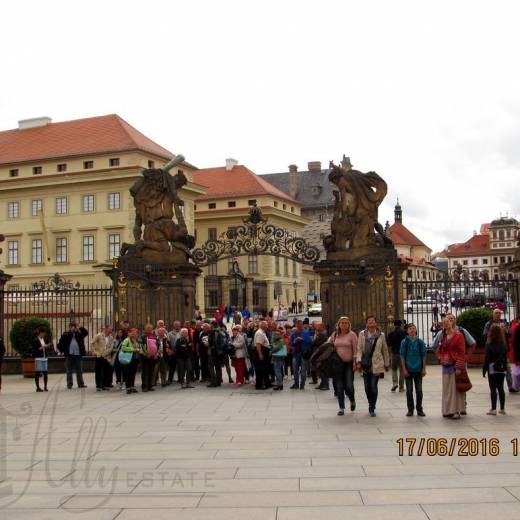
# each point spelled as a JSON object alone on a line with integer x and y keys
{"x": 425, "y": 93}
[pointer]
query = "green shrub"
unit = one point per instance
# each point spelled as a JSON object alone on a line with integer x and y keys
{"x": 474, "y": 320}
{"x": 23, "y": 333}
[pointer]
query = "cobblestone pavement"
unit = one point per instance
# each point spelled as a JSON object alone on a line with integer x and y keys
{"x": 231, "y": 454}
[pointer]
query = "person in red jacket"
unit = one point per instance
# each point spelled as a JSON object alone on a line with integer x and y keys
{"x": 452, "y": 357}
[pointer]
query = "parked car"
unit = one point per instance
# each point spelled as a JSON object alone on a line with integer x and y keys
{"x": 314, "y": 310}
{"x": 424, "y": 305}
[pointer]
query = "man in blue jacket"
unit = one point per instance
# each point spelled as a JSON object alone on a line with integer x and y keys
{"x": 301, "y": 343}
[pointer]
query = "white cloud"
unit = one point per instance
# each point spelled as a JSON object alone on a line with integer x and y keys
{"x": 424, "y": 93}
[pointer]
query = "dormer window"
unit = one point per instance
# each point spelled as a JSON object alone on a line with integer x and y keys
{"x": 316, "y": 190}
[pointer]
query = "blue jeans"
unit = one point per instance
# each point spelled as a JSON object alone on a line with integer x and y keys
{"x": 279, "y": 365}
{"x": 299, "y": 368}
{"x": 371, "y": 381}
{"x": 73, "y": 364}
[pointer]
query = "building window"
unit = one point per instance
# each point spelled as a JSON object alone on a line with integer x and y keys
{"x": 292, "y": 209}
{"x": 88, "y": 165}
{"x": 37, "y": 170}
{"x": 256, "y": 297}
{"x": 36, "y": 251}
{"x": 151, "y": 164}
{"x": 88, "y": 248}
{"x": 495, "y": 260}
{"x": 252, "y": 264}
{"x": 275, "y": 204}
{"x": 114, "y": 245}
{"x": 464, "y": 262}
{"x": 251, "y": 202}
{"x": 12, "y": 252}
{"x": 286, "y": 266}
{"x": 231, "y": 204}
{"x": 321, "y": 217}
{"x": 88, "y": 203}
{"x": 61, "y": 205}
{"x": 485, "y": 261}
{"x": 114, "y": 161}
{"x": 284, "y": 206}
{"x": 61, "y": 250}
{"x": 502, "y": 259}
{"x": 212, "y": 233}
{"x": 509, "y": 259}
{"x": 13, "y": 209}
{"x": 475, "y": 261}
{"x": 36, "y": 207}
{"x": 409, "y": 273}
{"x": 501, "y": 235}
{"x": 13, "y": 173}
{"x": 212, "y": 269}
{"x": 277, "y": 265}
{"x": 114, "y": 200}
{"x": 62, "y": 167}
{"x": 212, "y": 205}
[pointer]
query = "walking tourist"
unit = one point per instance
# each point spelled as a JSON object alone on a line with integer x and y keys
{"x": 148, "y": 354}
{"x": 413, "y": 365}
{"x": 495, "y": 366}
{"x": 345, "y": 344}
{"x": 372, "y": 359}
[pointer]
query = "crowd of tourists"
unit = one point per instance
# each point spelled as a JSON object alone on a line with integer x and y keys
{"x": 266, "y": 354}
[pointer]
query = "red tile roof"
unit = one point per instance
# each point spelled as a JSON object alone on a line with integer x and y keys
{"x": 401, "y": 235}
{"x": 476, "y": 245}
{"x": 93, "y": 135}
{"x": 415, "y": 261}
{"x": 238, "y": 182}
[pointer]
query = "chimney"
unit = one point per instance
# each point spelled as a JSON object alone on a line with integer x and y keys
{"x": 314, "y": 166}
{"x": 34, "y": 122}
{"x": 230, "y": 163}
{"x": 293, "y": 180}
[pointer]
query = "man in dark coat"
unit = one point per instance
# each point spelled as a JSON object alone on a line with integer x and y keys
{"x": 72, "y": 346}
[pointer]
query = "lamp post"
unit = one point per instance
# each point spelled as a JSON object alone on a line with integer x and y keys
{"x": 295, "y": 287}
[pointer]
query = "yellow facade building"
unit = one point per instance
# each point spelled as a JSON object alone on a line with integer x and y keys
{"x": 64, "y": 196}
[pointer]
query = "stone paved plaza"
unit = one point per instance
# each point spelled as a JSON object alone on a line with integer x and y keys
{"x": 228, "y": 454}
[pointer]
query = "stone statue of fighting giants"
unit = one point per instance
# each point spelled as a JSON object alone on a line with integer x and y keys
{"x": 158, "y": 238}
{"x": 357, "y": 198}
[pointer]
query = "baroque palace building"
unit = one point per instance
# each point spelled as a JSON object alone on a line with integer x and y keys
{"x": 260, "y": 282}
{"x": 64, "y": 195}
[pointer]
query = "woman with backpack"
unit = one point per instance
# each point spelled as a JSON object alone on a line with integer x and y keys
{"x": 345, "y": 342}
{"x": 495, "y": 365}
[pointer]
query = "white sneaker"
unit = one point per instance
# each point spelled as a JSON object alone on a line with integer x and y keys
{"x": 502, "y": 412}
{"x": 491, "y": 412}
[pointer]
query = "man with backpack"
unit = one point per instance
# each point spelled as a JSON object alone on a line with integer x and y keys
{"x": 413, "y": 365}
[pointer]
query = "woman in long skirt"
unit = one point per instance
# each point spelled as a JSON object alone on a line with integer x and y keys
{"x": 451, "y": 355}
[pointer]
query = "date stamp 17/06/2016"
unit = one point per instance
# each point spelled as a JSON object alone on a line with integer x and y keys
{"x": 455, "y": 446}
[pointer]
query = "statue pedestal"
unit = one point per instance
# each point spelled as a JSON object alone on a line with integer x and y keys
{"x": 358, "y": 283}
{"x": 145, "y": 292}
